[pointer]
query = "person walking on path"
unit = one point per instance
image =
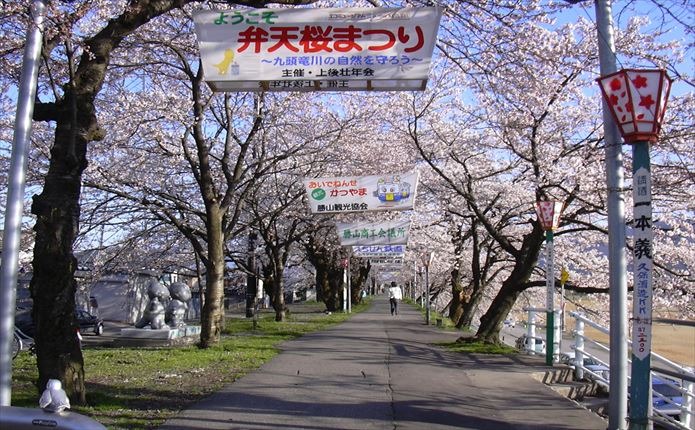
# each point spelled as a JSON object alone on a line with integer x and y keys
{"x": 395, "y": 295}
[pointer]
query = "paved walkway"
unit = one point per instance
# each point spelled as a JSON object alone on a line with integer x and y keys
{"x": 378, "y": 371}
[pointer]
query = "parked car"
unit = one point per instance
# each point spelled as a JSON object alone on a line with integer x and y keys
{"x": 669, "y": 389}
{"x": 88, "y": 322}
{"x": 509, "y": 323}
{"x": 589, "y": 363}
{"x": 525, "y": 343}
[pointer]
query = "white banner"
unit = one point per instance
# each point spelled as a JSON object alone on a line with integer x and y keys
{"x": 382, "y": 233}
{"x": 387, "y": 277}
{"x": 305, "y": 49}
{"x": 387, "y": 261}
{"x": 362, "y": 193}
{"x": 643, "y": 264}
{"x": 376, "y": 251}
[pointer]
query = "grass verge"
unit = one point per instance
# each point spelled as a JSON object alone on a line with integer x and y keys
{"x": 139, "y": 388}
{"x": 446, "y": 323}
{"x": 478, "y": 347}
{"x": 464, "y": 344}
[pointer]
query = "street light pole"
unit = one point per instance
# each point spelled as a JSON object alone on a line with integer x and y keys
{"x": 346, "y": 277}
{"x": 427, "y": 295}
{"x": 427, "y": 261}
{"x": 617, "y": 262}
{"x": 637, "y": 101}
{"x": 349, "y": 288}
{"x": 252, "y": 276}
{"x": 550, "y": 299}
{"x": 15, "y": 195}
{"x": 549, "y": 216}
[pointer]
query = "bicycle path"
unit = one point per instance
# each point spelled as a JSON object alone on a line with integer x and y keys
{"x": 377, "y": 371}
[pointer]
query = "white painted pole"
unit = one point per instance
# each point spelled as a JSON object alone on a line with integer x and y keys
{"x": 15, "y": 196}
{"x": 349, "y": 288}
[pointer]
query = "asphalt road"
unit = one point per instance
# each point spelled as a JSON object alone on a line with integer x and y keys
{"x": 376, "y": 371}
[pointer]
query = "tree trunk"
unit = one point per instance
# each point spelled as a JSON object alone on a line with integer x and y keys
{"x": 358, "y": 283}
{"x": 58, "y": 353}
{"x": 458, "y": 296}
{"x": 279, "y": 299}
{"x": 525, "y": 260}
{"x": 277, "y": 285}
{"x": 502, "y": 304}
{"x": 57, "y": 208}
{"x": 330, "y": 282}
{"x": 212, "y": 318}
{"x": 320, "y": 283}
{"x": 332, "y": 288}
{"x": 328, "y": 278}
{"x": 57, "y": 211}
{"x": 469, "y": 309}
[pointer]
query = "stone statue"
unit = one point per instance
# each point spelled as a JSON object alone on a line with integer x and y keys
{"x": 154, "y": 314}
{"x": 180, "y": 294}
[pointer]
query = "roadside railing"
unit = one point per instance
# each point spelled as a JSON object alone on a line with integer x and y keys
{"x": 675, "y": 378}
{"x": 530, "y": 346}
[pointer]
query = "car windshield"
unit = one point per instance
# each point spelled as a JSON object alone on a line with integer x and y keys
{"x": 588, "y": 361}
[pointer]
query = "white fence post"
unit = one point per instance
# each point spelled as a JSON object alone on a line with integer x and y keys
{"x": 530, "y": 349}
{"x": 688, "y": 406}
{"x": 579, "y": 349}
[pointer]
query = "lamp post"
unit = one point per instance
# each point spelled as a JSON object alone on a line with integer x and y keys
{"x": 346, "y": 279}
{"x": 15, "y": 194}
{"x": 426, "y": 261}
{"x": 637, "y": 101}
{"x": 252, "y": 276}
{"x": 549, "y": 217}
{"x": 349, "y": 287}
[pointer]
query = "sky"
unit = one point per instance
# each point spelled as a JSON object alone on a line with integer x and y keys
{"x": 677, "y": 17}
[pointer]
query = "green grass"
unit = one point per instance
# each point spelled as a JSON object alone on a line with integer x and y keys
{"x": 139, "y": 388}
{"x": 478, "y": 347}
{"x": 464, "y": 344}
{"x": 447, "y": 324}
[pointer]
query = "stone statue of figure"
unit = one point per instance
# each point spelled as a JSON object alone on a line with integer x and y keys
{"x": 154, "y": 314}
{"x": 180, "y": 295}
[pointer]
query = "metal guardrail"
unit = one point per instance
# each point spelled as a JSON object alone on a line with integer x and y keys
{"x": 683, "y": 378}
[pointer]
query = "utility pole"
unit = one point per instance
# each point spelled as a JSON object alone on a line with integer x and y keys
{"x": 251, "y": 278}
{"x": 15, "y": 195}
{"x": 617, "y": 263}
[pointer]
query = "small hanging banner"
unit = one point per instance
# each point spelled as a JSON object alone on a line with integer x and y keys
{"x": 382, "y": 233}
{"x": 312, "y": 49}
{"x": 378, "y": 251}
{"x": 387, "y": 261}
{"x": 362, "y": 193}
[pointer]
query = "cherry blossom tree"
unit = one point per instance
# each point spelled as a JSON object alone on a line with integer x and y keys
{"x": 513, "y": 117}
{"x": 532, "y": 134}
{"x": 80, "y": 42}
